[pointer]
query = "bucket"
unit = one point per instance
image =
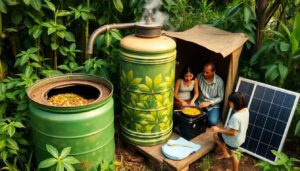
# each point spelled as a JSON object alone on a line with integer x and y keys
{"x": 87, "y": 129}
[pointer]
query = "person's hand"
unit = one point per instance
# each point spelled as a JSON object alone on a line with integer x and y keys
{"x": 183, "y": 103}
{"x": 192, "y": 103}
{"x": 204, "y": 104}
{"x": 215, "y": 129}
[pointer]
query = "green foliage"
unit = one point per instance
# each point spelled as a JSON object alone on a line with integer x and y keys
{"x": 206, "y": 163}
{"x": 285, "y": 50}
{"x": 58, "y": 161}
{"x": 283, "y": 163}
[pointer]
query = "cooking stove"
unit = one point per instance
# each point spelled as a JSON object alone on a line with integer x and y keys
{"x": 189, "y": 127}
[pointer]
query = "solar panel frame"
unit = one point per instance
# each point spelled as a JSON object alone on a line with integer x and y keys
{"x": 249, "y": 97}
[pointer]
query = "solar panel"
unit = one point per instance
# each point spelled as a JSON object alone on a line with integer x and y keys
{"x": 271, "y": 111}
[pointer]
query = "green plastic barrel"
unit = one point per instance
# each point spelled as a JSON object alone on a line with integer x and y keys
{"x": 147, "y": 83}
{"x": 87, "y": 129}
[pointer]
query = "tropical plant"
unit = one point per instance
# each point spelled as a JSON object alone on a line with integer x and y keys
{"x": 283, "y": 163}
{"x": 285, "y": 50}
{"x": 59, "y": 162}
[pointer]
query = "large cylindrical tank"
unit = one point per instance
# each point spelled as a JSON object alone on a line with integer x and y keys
{"x": 147, "y": 71}
{"x": 87, "y": 129}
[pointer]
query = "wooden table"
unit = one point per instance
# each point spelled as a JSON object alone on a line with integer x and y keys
{"x": 155, "y": 155}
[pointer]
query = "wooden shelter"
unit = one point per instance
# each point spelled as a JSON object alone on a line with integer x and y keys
{"x": 204, "y": 43}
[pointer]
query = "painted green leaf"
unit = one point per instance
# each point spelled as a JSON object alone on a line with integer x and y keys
{"x": 140, "y": 105}
{"x": 143, "y": 122}
{"x": 129, "y": 76}
{"x": 150, "y": 118}
{"x": 148, "y": 128}
{"x": 158, "y": 97}
{"x": 156, "y": 128}
{"x": 135, "y": 82}
{"x": 148, "y": 82}
{"x": 143, "y": 88}
{"x": 157, "y": 82}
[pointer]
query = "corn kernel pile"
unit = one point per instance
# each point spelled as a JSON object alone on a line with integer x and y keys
{"x": 68, "y": 99}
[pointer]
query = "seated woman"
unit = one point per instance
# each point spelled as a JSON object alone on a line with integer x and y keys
{"x": 184, "y": 87}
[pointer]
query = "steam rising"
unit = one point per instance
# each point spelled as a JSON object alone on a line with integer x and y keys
{"x": 158, "y": 16}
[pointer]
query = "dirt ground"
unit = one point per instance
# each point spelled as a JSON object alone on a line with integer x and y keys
{"x": 134, "y": 161}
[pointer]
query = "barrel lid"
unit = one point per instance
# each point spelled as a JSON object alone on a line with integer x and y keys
{"x": 157, "y": 44}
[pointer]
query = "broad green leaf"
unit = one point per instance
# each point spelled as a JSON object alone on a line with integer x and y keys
{"x": 271, "y": 73}
{"x": 118, "y": 5}
{"x": 32, "y": 50}
{"x": 12, "y": 144}
{"x": 116, "y": 34}
{"x": 36, "y": 4}
{"x": 10, "y": 30}
{"x": 107, "y": 39}
{"x": 50, "y": 5}
{"x": 297, "y": 129}
{"x": 68, "y": 166}
{"x": 52, "y": 150}
{"x": 54, "y": 46}
{"x": 2, "y": 144}
{"x": 282, "y": 158}
{"x": 28, "y": 71}
{"x": 35, "y": 65}
{"x": 296, "y": 29}
{"x": 295, "y": 44}
{"x": 66, "y": 151}
{"x": 62, "y": 13}
{"x": 61, "y": 34}
{"x": 47, "y": 163}
{"x": 287, "y": 31}
{"x": 18, "y": 125}
{"x": 64, "y": 67}
{"x": 69, "y": 36}
{"x": 247, "y": 14}
{"x": 37, "y": 32}
{"x": 59, "y": 166}
{"x": 283, "y": 71}
{"x": 3, "y": 8}
{"x": 34, "y": 57}
{"x": 51, "y": 30}
{"x": 132, "y": 3}
{"x": 284, "y": 47}
{"x": 3, "y": 107}
{"x": 70, "y": 160}
{"x": 11, "y": 130}
{"x": 16, "y": 17}
{"x": 3, "y": 155}
{"x": 27, "y": 2}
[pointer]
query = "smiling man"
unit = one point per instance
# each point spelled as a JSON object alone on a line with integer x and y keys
{"x": 211, "y": 89}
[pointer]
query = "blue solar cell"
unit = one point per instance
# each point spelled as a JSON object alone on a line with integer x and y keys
{"x": 266, "y": 137}
{"x": 255, "y": 104}
{"x": 279, "y": 97}
{"x": 274, "y": 111}
{"x": 280, "y": 127}
{"x": 249, "y": 130}
{"x": 262, "y": 149}
{"x": 269, "y": 95}
{"x": 270, "y": 124}
{"x": 284, "y": 114}
{"x": 246, "y": 88}
{"x": 264, "y": 108}
{"x": 252, "y": 145}
{"x": 252, "y": 117}
{"x": 256, "y": 132}
{"x": 259, "y": 92}
{"x": 260, "y": 120}
{"x": 289, "y": 101}
{"x": 275, "y": 141}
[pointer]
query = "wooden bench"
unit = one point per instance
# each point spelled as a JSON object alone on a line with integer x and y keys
{"x": 155, "y": 155}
